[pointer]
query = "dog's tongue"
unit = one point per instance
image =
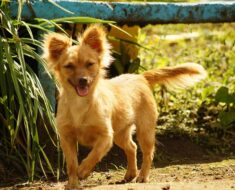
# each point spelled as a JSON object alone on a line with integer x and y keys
{"x": 82, "y": 91}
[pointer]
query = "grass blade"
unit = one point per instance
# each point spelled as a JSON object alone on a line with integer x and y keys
{"x": 60, "y": 7}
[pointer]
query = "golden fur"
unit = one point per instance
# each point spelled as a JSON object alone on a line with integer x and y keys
{"x": 104, "y": 111}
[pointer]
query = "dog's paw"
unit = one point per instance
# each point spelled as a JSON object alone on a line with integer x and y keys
{"x": 130, "y": 175}
{"x": 73, "y": 183}
{"x": 83, "y": 172}
{"x": 72, "y": 186}
{"x": 142, "y": 179}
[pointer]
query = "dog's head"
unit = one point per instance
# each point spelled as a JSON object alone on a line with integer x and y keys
{"x": 78, "y": 67}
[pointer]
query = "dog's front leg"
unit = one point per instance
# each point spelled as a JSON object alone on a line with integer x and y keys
{"x": 69, "y": 147}
{"x": 99, "y": 150}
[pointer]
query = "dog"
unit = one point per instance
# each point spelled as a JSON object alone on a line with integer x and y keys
{"x": 97, "y": 112}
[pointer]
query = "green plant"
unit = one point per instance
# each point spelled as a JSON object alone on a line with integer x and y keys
{"x": 22, "y": 101}
{"x": 227, "y": 114}
{"x": 123, "y": 63}
{"x": 206, "y": 111}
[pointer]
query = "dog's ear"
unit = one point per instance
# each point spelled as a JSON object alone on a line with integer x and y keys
{"x": 95, "y": 38}
{"x": 54, "y": 46}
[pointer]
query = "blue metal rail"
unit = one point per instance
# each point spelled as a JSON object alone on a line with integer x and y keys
{"x": 133, "y": 13}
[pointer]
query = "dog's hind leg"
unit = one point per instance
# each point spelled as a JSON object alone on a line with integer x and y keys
{"x": 146, "y": 137}
{"x": 124, "y": 140}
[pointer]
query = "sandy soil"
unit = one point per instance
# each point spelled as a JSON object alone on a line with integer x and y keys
{"x": 179, "y": 164}
{"x": 208, "y": 176}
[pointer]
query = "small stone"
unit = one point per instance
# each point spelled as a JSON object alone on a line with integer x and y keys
{"x": 108, "y": 176}
{"x": 167, "y": 187}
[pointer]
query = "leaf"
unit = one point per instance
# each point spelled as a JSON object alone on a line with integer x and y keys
{"x": 227, "y": 117}
{"x": 27, "y": 26}
{"x": 31, "y": 42}
{"x": 223, "y": 96}
{"x": 80, "y": 20}
{"x": 39, "y": 27}
{"x": 120, "y": 29}
{"x": 118, "y": 65}
{"x": 134, "y": 66}
{"x": 46, "y": 159}
{"x": 3, "y": 99}
{"x": 206, "y": 92}
{"x": 21, "y": 4}
{"x": 60, "y": 7}
{"x": 14, "y": 76}
{"x": 128, "y": 41}
{"x": 51, "y": 24}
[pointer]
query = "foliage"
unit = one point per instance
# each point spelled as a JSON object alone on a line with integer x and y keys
{"x": 123, "y": 63}
{"x": 206, "y": 111}
{"x": 23, "y": 103}
{"x": 227, "y": 115}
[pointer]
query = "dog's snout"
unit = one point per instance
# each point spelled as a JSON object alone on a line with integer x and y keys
{"x": 83, "y": 81}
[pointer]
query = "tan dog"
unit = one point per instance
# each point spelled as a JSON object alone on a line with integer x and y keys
{"x": 96, "y": 112}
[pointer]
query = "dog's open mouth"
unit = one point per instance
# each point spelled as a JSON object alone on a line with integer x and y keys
{"x": 82, "y": 90}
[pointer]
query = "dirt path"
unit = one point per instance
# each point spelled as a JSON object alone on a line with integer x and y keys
{"x": 209, "y": 176}
{"x": 212, "y": 185}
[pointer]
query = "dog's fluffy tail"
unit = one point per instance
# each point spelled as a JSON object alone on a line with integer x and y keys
{"x": 176, "y": 77}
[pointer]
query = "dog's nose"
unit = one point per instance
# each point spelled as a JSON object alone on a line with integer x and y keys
{"x": 83, "y": 81}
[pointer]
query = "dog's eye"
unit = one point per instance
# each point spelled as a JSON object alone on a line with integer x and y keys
{"x": 69, "y": 66}
{"x": 89, "y": 64}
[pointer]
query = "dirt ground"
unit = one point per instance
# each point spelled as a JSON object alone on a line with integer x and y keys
{"x": 179, "y": 164}
{"x": 209, "y": 176}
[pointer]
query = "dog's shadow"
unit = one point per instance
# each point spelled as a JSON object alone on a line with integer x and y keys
{"x": 118, "y": 182}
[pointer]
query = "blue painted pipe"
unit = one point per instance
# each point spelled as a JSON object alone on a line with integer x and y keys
{"x": 133, "y": 13}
